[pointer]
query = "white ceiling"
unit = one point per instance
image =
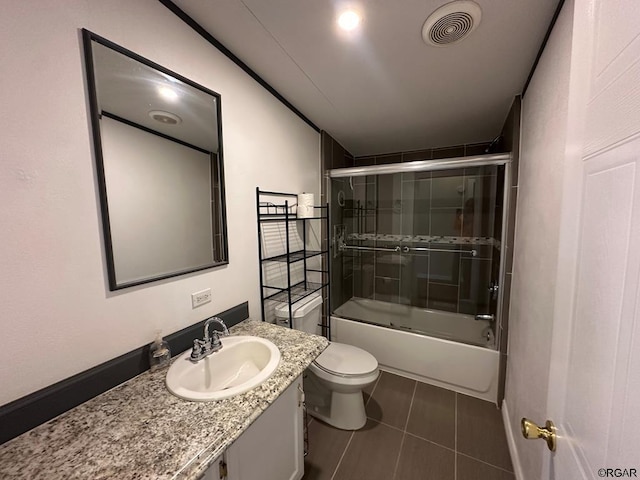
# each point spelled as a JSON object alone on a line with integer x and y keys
{"x": 383, "y": 89}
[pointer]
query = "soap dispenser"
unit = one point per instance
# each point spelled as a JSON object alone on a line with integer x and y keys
{"x": 159, "y": 353}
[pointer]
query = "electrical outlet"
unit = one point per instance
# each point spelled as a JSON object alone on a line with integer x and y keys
{"x": 200, "y": 298}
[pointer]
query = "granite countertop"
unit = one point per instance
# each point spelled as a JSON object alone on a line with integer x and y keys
{"x": 139, "y": 430}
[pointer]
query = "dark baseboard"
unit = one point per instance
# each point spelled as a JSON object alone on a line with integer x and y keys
{"x": 28, "y": 412}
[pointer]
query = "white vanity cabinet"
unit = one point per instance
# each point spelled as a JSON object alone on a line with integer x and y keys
{"x": 272, "y": 448}
{"x": 214, "y": 472}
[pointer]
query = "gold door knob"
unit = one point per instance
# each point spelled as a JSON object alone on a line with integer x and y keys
{"x": 532, "y": 431}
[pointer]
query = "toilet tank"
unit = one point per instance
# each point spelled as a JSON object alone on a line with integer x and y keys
{"x": 305, "y": 314}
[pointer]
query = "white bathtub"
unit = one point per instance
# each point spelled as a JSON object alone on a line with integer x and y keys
{"x": 435, "y": 323}
{"x": 464, "y": 368}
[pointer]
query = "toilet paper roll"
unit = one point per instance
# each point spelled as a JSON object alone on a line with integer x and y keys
{"x": 305, "y": 205}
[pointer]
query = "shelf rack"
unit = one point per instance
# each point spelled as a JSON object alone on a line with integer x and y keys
{"x": 269, "y": 212}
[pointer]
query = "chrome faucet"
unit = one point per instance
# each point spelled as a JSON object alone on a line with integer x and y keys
{"x": 210, "y": 343}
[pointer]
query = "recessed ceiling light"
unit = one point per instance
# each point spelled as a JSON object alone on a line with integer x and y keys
{"x": 349, "y": 20}
{"x": 168, "y": 93}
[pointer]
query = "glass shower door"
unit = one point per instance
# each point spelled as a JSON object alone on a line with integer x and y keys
{"x": 421, "y": 248}
{"x": 449, "y": 219}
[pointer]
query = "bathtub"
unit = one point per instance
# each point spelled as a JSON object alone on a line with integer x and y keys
{"x": 429, "y": 356}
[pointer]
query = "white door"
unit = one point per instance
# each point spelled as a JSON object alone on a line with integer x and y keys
{"x": 594, "y": 386}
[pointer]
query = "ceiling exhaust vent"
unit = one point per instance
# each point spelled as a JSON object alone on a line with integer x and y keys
{"x": 451, "y": 23}
{"x": 167, "y": 118}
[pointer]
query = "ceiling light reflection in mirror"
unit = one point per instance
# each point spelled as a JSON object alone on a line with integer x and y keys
{"x": 124, "y": 91}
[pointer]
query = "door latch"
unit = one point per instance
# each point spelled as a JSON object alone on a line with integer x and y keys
{"x": 531, "y": 431}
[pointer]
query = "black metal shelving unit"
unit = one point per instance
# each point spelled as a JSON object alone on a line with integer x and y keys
{"x": 268, "y": 212}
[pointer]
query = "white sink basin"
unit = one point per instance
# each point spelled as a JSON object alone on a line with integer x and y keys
{"x": 243, "y": 363}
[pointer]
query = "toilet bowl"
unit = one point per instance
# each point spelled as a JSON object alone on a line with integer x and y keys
{"x": 333, "y": 383}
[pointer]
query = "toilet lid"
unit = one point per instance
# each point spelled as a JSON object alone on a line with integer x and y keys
{"x": 346, "y": 360}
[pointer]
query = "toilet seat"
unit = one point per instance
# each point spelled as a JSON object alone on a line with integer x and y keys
{"x": 345, "y": 364}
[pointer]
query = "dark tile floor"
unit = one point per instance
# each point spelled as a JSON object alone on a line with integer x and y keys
{"x": 414, "y": 431}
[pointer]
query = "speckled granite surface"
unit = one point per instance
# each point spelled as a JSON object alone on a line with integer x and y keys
{"x": 139, "y": 430}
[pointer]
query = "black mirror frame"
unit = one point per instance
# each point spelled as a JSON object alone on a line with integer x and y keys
{"x": 88, "y": 37}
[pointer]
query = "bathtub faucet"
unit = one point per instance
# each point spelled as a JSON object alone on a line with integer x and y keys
{"x": 487, "y": 317}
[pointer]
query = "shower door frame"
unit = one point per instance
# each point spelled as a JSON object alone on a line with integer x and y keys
{"x": 447, "y": 164}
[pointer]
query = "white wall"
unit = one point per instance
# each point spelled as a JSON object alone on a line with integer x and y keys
{"x": 58, "y": 316}
{"x": 544, "y": 124}
{"x": 159, "y": 195}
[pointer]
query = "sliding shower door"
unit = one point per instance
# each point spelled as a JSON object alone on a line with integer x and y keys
{"x": 410, "y": 242}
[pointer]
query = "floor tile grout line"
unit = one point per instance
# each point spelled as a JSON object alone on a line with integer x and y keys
{"x": 373, "y": 389}
{"x": 413, "y": 396}
{"x": 388, "y": 425}
{"x": 431, "y": 442}
{"x": 404, "y": 432}
{"x": 486, "y": 463}
{"x": 455, "y": 437}
{"x": 343, "y": 454}
{"x": 385, "y": 424}
{"x": 395, "y": 469}
{"x": 413, "y": 435}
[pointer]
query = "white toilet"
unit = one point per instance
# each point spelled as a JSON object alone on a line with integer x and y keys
{"x": 333, "y": 383}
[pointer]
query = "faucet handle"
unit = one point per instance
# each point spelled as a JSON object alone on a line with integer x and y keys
{"x": 215, "y": 344}
{"x": 198, "y": 347}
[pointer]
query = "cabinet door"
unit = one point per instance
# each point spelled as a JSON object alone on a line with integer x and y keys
{"x": 273, "y": 447}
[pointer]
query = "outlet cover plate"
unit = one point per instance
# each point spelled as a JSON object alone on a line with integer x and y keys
{"x": 200, "y": 298}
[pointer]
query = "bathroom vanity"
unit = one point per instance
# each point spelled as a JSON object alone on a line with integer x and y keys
{"x": 272, "y": 448}
{"x": 140, "y": 430}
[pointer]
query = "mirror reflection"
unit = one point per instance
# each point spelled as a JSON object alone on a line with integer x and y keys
{"x": 159, "y": 157}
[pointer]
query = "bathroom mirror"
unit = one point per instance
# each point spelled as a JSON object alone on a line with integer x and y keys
{"x": 158, "y": 149}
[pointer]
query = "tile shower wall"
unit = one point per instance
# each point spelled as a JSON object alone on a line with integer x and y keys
{"x": 334, "y": 155}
